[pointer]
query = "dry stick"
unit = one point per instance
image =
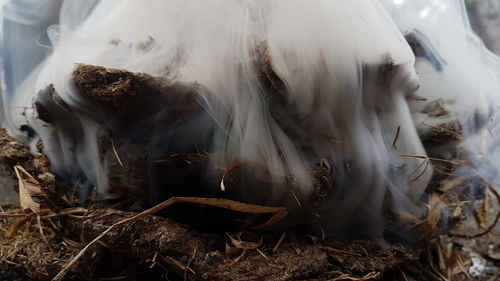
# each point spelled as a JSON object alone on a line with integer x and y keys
{"x": 429, "y": 158}
{"x": 261, "y": 253}
{"x": 116, "y": 153}
{"x": 40, "y": 229}
{"x": 282, "y": 237}
{"x": 189, "y": 264}
{"x": 279, "y": 214}
{"x": 296, "y": 198}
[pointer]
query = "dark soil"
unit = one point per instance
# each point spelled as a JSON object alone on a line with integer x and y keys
{"x": 8, "y": 274}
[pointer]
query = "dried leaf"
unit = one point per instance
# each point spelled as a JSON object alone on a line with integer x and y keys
{"x": 495, "y": 193}
{"x": 481, "y": 211}
{"x": 449, "y": 184}
{"x": 228, "y": 171}
{"x": 430, "y": 225}
{"x": 441, "y": 258}
{"x": 30, "y": 191}
{"x": 245, "y": 245}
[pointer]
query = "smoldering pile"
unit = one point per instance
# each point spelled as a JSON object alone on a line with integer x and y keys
{"x": 227, "y": 107}
{"x": 245, "y": 92}
{"x": 56, "y": 237}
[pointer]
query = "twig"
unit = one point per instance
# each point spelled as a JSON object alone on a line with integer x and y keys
{"x": 261, "y": 253}
{"x": 175, "y": 263}
{"x": 328, "y": 248}
{"x": 116, "y": 153}
{"x": 282, "y": 237}
{"x": 189, "y": 263}
{"x": 40, "y": 229}
{"x": 296, "y": 199}
{"x": 429, "y": 158}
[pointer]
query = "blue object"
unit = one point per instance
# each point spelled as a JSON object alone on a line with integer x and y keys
{"x": 24, "y": 25}
{"x": 422, "y": 48}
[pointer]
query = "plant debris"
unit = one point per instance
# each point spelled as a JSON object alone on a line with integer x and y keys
{"x": 53, "y": 234}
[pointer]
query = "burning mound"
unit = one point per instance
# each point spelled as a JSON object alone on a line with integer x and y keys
{"x": 355, "y": 119}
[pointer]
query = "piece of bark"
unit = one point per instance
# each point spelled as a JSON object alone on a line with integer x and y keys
{"x": 134, "y": 96}
{"x": 443, "y": 133}
{"x": 50, "y": 107}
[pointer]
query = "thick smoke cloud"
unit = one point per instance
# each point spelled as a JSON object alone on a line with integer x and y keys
{"x": 348, "y": 69}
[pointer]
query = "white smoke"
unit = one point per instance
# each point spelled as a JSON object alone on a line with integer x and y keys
{"x": 348, "y": 71}
{"x": 468, "y": 83}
